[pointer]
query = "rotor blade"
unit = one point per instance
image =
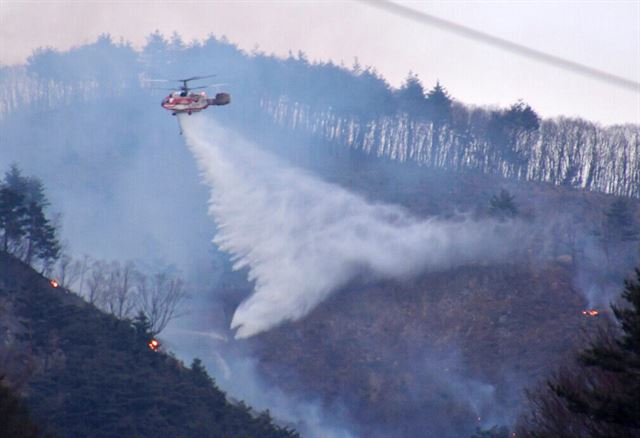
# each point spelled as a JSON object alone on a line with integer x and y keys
{"x": 206, "y": 86}
{"x": 201, "y": 77}
{"x": 193, "y": 78}
{"x": 156, "y": 80}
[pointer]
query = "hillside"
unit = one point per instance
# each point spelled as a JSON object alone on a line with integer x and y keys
{"x": 86, "y": 373}
{"x": 445, "y": 352}
{"x": 438, "y": 353}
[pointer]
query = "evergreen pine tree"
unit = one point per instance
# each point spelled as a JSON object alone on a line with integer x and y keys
{"x": 23, "y": 220}
{"x": 30, "y": 187}
{"x": 503, "y": 205}
{"x": 505, "y": 127}
{"x": 438, "y": 110}
{"x": 47, "y": 244}
{"x": 439, "y": 105}
{"x": 200, "y": 372}
{"x": 601, "y": 396}
{"x": 12, "y": 216}
{"x": 142, "y": 326}
{"x": 35, "y": 230}
{"x": 14, "y": 180}
{"x": 411, "y": 96}
{"x": 521, "y": 117}
{"x": 617, "y": 404}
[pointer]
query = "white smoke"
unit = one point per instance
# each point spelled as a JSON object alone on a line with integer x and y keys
{"x": 301, "y": 238}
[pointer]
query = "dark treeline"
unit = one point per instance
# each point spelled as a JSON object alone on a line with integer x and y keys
{"x": 352, "y": 106}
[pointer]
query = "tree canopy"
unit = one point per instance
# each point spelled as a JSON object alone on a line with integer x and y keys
{"x": 439, "y": 104}
{"x": 411, "y": 96}
{"x": 25, "y": 229}
{"x": 503, "y": 205}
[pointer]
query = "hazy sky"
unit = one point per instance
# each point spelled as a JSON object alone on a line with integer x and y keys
{"x": 602, "y": 34}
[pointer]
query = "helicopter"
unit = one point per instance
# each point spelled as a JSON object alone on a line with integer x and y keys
{"x": 184, "y": 100}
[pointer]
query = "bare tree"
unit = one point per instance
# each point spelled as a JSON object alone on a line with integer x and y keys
{"x": 67, "y": 271}
{"x": 160, "y": 297}
{"x": 97, "y": 286}
{"x": 85, "y": 267}
{"x": 123, "y": 290}
{"x": 121, "y": 296}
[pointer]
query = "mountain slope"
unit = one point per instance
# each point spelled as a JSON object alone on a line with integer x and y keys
{"x": 436, "y": 355}
{"x": 89, "y": 374}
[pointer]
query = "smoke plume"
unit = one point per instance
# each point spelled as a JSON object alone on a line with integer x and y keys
{"x": 302, "y": 238}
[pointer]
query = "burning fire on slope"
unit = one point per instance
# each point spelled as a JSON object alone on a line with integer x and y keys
{"x": 154, "y": 344}
{"x": 54, "y": 283}
{"x": 591, "y": 312}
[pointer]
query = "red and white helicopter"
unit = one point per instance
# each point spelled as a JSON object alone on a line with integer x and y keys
{"x": 185, "y": 100}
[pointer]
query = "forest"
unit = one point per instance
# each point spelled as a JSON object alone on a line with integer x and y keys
{"x": 353, "y": 106}
{"x": 87, "y": 124}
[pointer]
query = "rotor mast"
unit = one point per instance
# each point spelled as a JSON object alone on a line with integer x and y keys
{"x": 185, "y": 86}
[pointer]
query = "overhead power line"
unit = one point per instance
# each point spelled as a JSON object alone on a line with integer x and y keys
{"x": 501, "y": 43}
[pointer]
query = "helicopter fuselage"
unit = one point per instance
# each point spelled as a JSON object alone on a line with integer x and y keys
{"x": 180, "y": 102}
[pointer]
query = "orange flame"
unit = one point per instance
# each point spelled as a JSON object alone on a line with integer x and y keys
{"x": 590, "y": 312}
{"x": 154, "y": 345}
{"x": 54, "y": 283}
